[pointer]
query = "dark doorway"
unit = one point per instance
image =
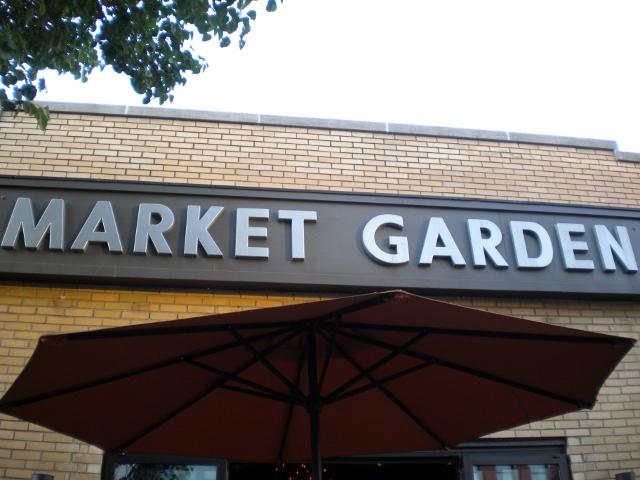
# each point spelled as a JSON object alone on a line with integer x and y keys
{"x": 441, "y": 469}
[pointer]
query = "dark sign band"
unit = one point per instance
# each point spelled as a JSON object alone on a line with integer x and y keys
{"x": 132, "y": 233}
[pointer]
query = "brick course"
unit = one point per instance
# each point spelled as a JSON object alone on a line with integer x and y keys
{"x": 164, "y": 150}
{"x": 601, "y": 442}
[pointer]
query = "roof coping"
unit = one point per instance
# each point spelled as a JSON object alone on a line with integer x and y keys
{"x": 365, "y": 126}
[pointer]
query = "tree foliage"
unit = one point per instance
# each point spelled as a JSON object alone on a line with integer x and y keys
{"x": 148, "y": 40}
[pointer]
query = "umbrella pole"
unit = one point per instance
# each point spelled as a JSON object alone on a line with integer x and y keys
{"x": 313, "y": 407}
{"x": 316, "y": 461}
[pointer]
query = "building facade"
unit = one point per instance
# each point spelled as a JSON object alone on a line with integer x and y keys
{"x": 85, "y": 142}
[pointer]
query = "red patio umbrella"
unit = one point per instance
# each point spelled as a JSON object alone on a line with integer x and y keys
{"x": 375, "y": 373}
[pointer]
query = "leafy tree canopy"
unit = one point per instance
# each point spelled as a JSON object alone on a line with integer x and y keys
{"x": 148, "y": 40}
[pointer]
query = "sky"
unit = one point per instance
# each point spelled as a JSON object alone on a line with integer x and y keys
{"x": 560, "y": 67}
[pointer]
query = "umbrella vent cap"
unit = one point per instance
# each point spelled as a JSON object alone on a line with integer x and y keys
{"x": 398, "y": 295}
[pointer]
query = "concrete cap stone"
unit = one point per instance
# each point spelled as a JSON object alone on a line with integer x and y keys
{"x": 332, "y": 124}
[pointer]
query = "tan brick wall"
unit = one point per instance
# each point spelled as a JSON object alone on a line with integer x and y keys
{"x": 601, "y": 442}
{"x": 82, "y": 146}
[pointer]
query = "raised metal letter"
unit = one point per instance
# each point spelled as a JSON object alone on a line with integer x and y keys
{"x": 481, "y": 245}
{"x": 22, "y": 220}
{"x": 244, "y": 232}
{"x": 101, "y": 214}
{"x": 437, "y": 231}
{"x": 608, "y": 246}
{"x": 523, "y": 260}
{"x": 399, "y": 244}
{"x": 297, "y": 219}
{"x": 197, "y": 231}
{"x": 145, "y": 230}
{"x": 569, "y": 247}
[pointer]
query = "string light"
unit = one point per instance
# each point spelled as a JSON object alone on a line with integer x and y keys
{"x": 300, "y": 471}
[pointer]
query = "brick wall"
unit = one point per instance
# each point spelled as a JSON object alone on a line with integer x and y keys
{"x": 83, "y": 146}
{"x": 601, "y": 442}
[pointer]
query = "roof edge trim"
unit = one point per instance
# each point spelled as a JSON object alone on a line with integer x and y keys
{"x": 334, "y": 124}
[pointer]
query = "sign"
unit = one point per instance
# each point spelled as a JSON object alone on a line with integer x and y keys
{"x": 156, "y": 234}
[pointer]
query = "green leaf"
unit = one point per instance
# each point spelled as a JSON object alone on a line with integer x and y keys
{"x": 251, "y": 14}
{"x": 9, "y": 79}
{"x": 29, "y": 108}
{"x": 29, "y": 92}
{"x": 272, "y": 6}
{"x": 8, "y": 106}
{"x": 42, "y": 117}
{"x": 225, "y": 42}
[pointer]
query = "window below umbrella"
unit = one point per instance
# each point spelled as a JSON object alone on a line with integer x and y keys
{"x": 516, "y": 472}
{"x": 160, "y": 467}
{"x": 137, "y": 471}
{"x": 508, "y": 459}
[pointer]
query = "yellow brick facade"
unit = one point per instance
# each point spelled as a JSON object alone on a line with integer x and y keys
{"x": 601, "y": 442}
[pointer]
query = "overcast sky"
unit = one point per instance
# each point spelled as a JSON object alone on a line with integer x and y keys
{"x": 559, "y": 67}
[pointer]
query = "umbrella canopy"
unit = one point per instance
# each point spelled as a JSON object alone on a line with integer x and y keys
{"x": 375, "y": 373}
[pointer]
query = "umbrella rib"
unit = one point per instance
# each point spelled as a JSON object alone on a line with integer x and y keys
{"x": 363, "y": 305}
{"x": 236, "y": 343}
{"x": 257, "y": 393}
{"x": 391, "y": 397}
{"x": 391, "y": 355}
{"x": 462, "y": 368}
{"x": 173, "y": 330}
{"x": 217, "y": 384}
{"x": 287, "y": 424}
{"x": 260, "y": 390}
{"x": 364, "y": 388}
{"x": 328, "y": 353}
{"x": 489, "y": 334}
{"x": 266, "y": 363}
{"x": 132, "y": 373}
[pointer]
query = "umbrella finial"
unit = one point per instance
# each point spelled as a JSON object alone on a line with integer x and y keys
{"x": 398, "y": 295}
